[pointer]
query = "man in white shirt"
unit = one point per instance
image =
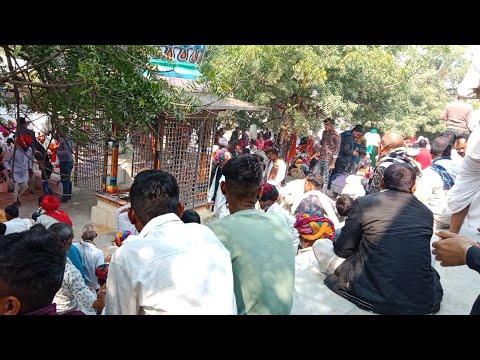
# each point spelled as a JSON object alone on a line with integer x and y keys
{"x": 122, "y": 220}
{"x": 14, "y": 224}
{"x": 92, "y": 257}
{"x": 269, "y": 204}
{"x": 276, "y": 168}
{"x": 18, "y": 165}
{"x": 315, "y": 200}
{"x": 436, "y": 180}
{"x": 170, "y": 267}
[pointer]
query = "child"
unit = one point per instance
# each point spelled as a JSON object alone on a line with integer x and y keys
{"x": 344, "y": 205}
{"x": 190, "y": 216}
{"x": 102, "y": 273}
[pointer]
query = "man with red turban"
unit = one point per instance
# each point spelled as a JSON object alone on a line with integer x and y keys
{"x": 18, "y": 166}
{"x": 52, "y": 215}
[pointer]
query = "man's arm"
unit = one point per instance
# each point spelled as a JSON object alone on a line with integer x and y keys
{"x": 335, "y": 152}
{"x": 375, "y": 182}
{"x": 347, "y": 243}
{"x": 457, "y": 219}
{"x": 456, "y": 250}
{"x": 6, "y": 160}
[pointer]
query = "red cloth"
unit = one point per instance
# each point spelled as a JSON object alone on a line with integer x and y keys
{"x": 424, "y": 158}
{"x": 60, "y": 215}
{"x": 51, "y": 204}
{"x": 267, "y": 145}
{"x": 25, "y": 140}
{"x": 293, "y": 148}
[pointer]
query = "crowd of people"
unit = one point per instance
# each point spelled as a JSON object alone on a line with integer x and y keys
{"x": 372, "y": 212}
{"x": 23, "y": 152}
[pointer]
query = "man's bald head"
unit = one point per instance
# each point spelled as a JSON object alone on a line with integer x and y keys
{"x": 391, "y": 141}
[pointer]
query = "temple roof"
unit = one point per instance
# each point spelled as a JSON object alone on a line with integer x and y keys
{"x": 209, "y": 101}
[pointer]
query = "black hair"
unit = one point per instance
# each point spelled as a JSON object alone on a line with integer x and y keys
{"x": 459, "y": 137}
{"x": 252, "y": 141}
{"x": 10, "y": 140}
{"x": 441, "y": 145}
{"x": 243, "y": 175}
{"x": 246, "y": 150}
{"x": 12, "y": 211}
{"x": 358, "y": 128}
{"x": 63, "y": 231}
{"x": 190, "y": 216}
{"x": 32, "y": 264}
{"x": 273, "y": 151}
{"x": 316, "y": 180}
{"x": 40, "y": 199}
{"x": 3, "y": 228}
{"x": 21, "y": 121}
{"x": 400, "y": 177}
{"x": 422, "y": 143}
{"x": 154, "y": 193}
{"x": 344, "y": 205}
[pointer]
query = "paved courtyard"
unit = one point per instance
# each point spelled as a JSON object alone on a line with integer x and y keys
{"x": 461, "y": 285}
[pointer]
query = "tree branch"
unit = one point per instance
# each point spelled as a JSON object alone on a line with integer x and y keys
{"x": 30, "y": 65}
{"x": 44, "y": 85}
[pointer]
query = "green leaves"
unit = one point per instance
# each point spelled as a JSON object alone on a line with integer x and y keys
{"x": 394, "y": 87}
{"x": 107, "y": 84}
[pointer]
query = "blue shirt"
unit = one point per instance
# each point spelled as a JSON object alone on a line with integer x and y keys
{"x": 76, "y": 258}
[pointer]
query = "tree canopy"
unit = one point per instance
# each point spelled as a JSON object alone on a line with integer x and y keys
{"x": 392, "y": 88}
{"x": 91, "y": 84}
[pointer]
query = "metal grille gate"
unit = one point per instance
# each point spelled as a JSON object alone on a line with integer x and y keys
{"x": 144, "y": 151}
{"x": 186, "y": 152}
{"x": 91, "y": 161}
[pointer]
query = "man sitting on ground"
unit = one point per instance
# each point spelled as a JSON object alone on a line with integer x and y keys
{"x": 381, "y": 260}
{"x": 169, "y": 267}
{"x": 91, "y": 255}
{"x": 51, "y": 214}
{"x": 314, "y": 200}
{"x": 276, "y": 168}
{"x": 269, "y": 204}
{"x": 392, "y": 150}
{"x": 74, "y": 294}
{"x": 32, "y": 265}
{"x": 260, "y": 244}
{"x": 14, "y": 223}
{"x": 190, "y": 216}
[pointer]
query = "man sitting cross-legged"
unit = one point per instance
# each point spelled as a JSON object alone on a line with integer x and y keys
{"x": 381, "y": 260}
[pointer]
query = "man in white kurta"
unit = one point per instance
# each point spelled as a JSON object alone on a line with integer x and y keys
{"x": 276, "y": 169}
{"x": 170, "y": 267}
{"x": 464, "y": 197}
{"x": 18, "y": 165}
